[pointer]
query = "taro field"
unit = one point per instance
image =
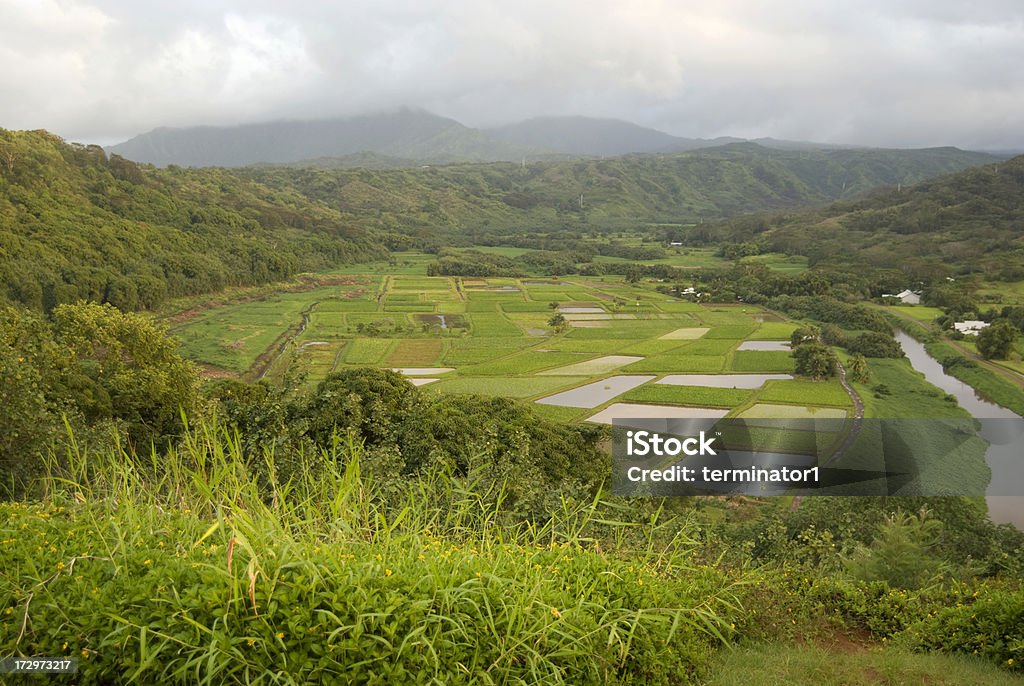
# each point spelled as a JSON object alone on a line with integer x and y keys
{"x": 622, "y": 350}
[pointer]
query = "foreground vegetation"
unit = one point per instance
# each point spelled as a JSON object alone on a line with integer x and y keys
{"x": 201, "y": 565}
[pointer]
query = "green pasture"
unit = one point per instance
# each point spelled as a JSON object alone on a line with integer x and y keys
{"x": 917, "y": 312}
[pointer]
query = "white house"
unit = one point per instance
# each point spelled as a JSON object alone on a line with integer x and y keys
{"x": 907, "y": 297}
{"x": 971, "y": 327}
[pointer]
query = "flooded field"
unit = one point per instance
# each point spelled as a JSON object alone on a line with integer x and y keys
{"x": 690, "y": 333}
{"x": 597, "y": 393}
{"x": 764, "y": 345}
{"x": 600, "y": 365}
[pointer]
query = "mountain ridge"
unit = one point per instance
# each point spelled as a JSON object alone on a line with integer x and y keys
{"x": 412, "y": 137}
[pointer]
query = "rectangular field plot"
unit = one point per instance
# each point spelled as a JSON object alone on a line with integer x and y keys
{"x": 677, "y": 306}
{"x": 921, "y": 313}
{"x": 486, "y": 325}
{"x": 409, "y": 307}
{"x": 677, "y": 362}
{"x": 320, "y": 356}
{"x": 629, "y": 330}
{"x": 508, "y": 387}
{"x": 779, "y": 346}
{"x": 769, "y": 411}
{"x": 326, "y": 306}
{"x": 594, "y": 394}
{"x": 326, "y": 324}
{"x": 468, "y": 351}
{"x": 805, "y": 392}
{"x": 416, "y": 352}
{"x": 627, "y": 411}
{"x": 368, "y": 350}
{"x": 688, "y": 333}
{"x": 736, "y": 332}
{"x": 597, "y": 346}
{"x": 600, "y": 365}
{"x": 422, "y": 283}
{"x": 725, "y": 316}
{"x": 769, "y": 331}
{"x": 709, "y": 347}
{"x": 747, "y": 381}
{"x": 520, "y": 363}
{"x": 689, "y": 395}
{"x": 521, "y": 306}
{"x": 758, "y": 361}
{"x": 648, "y": 347}
{"x": 422, "y": 371}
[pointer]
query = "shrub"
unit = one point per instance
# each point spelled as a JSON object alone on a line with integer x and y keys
{"x": 991, "y": 627}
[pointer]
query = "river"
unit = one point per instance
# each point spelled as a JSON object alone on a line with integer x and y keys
{"x": 1005, "y": 455}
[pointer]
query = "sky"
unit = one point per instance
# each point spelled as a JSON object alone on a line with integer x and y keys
{"x": 912, "y": 73}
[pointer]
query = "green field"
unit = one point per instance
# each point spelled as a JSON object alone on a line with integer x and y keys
{"x": 498, "y": 340}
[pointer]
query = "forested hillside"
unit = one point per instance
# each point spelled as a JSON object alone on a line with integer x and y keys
{"x": 75, "y": 224}
{"x": 452, "y": 203}
{"x": 972, "y": 221}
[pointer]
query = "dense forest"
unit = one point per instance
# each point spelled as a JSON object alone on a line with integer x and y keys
{"x": 78, "y": 224}
{"x": 968, "y": 222}
{"x": 75, "y": 224}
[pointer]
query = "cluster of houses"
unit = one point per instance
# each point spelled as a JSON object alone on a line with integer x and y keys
{"x": 970, "y": 327}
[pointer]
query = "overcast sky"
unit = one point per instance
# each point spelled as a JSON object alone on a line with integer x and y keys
{"x": 880, "y": 72}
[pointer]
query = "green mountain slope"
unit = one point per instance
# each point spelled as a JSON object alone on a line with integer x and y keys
{"x": 468, "y": 200}
{"x": 971, "y": 221}
{"x": 75, "y": 224}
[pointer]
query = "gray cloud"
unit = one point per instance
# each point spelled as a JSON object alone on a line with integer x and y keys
{"x": 903, "y": 74}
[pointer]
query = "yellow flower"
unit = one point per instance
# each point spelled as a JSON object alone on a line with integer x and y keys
{"x": 280, "y": 634}
{"x": 147, "y": 562}
{"x": 65, "y": 646}
{"x": 251, "y": 642}
{"x": 555, "y": 613}
{"x": 388, "y": 572}
{"x": 60, "y": 565}
{"x": 8, "y": 610}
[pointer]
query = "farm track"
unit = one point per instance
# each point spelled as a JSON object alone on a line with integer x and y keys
{"x": 858, "y": 417}
{"x": 267, "y": 359}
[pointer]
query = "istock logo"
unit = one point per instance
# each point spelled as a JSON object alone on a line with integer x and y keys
{"x": 643, "y": 443}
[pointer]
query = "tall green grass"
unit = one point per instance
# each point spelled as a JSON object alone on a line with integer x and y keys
{"x": 195, "y": 566}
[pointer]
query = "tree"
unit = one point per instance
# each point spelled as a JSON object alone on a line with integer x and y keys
{"x": 558, "y": 322}
{"x": 815, "y": 360}
{"x": 805, "y": 334}
{"x": 858, "y": 369}
{"x": 874, "y": 344}
{"x": 996, "y": 341}
{"x": 901, "y": 554}
{"x": 126, "y": 368}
